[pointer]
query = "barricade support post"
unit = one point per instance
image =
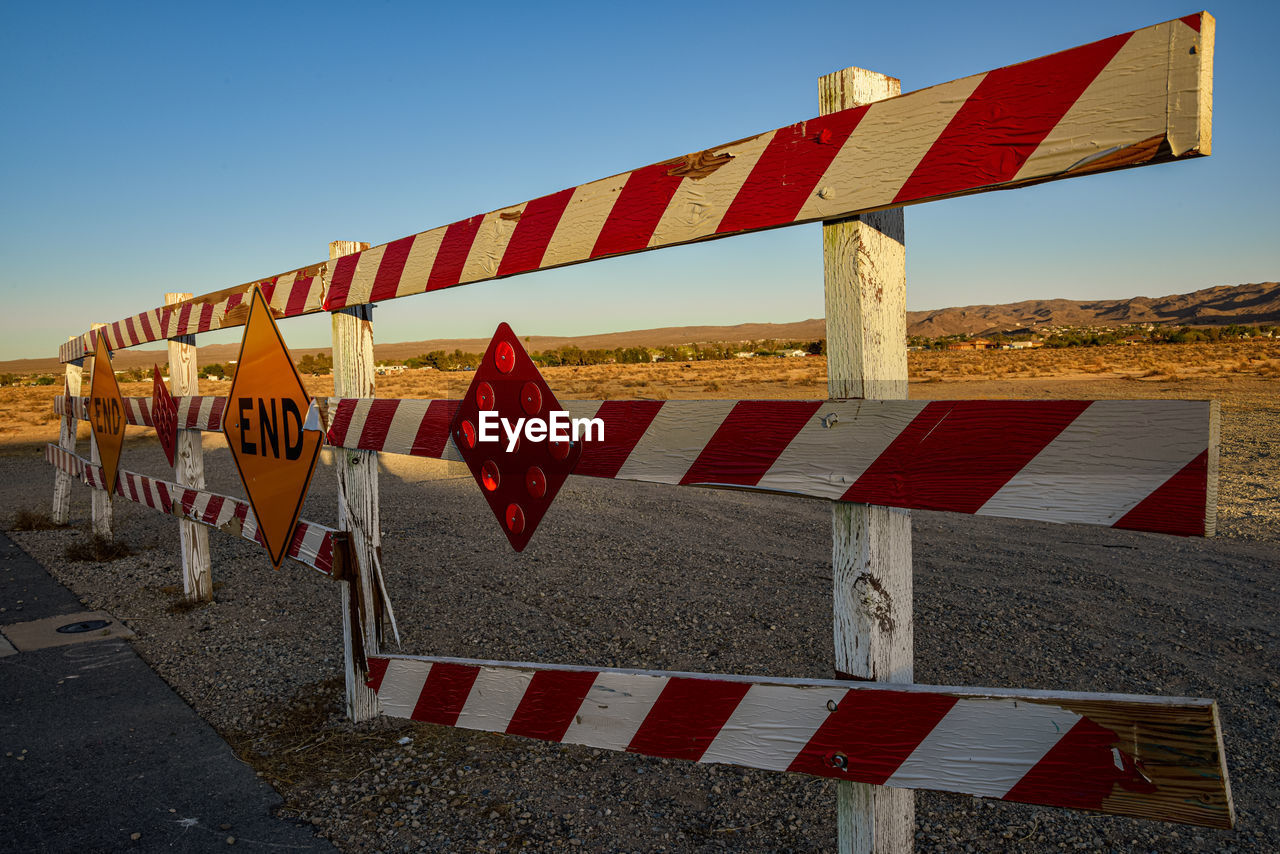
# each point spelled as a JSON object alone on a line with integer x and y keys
{"x": 864, "y": 264}
{"x": 67, "y": 441}
{"x": 197, "y": 574}
{"x": 357, "y": 471}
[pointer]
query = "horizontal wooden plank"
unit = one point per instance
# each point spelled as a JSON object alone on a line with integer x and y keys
{"x": 312, "y": 544}
{"x": 1130, "y": 100}
{"x": 1147, "y": 465}
{"x": 1147, "y": 757}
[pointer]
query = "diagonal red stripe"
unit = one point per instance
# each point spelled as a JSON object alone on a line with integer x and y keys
{"x": 391, "y": 269}
{"x": 637, "y": 211}
{"x": 215, "y": 413}
{"x": 749, "y": 441}
{"x": 343, "y": 272}
{"x": 686, "y": 718}
{"x": 1192, "y": 21}
{"x": 1079, "y": 772}
{"x": 374, "y": 435}
{"x": 624, "y": 423}
{"x": 445, "y": 693}
{"x": 133, "y": 330}
{"x": 533, "y": 232}
{"x": 295, "y": 542}
{"x": 788, "y": 171}
{"x": 324, "y": 555}
{"x": 446, "y": 270}
{"x": 875, "y": 731}
{"x": 550, "y": 702}
{"x": 1178, "y": 506}
{"x": 189, "y": 497}
{"x": 377, "y": 670}
{"x": 299, "y": 291}
{"x": 212, "y": 510}
{"x": 433, "y": 431}
{"x": 956, "y": 454}
{"x": 1010, "y": 113}
{"x": 341, "y": 422}
{"x": 166, "y": 498}
{"x": 146, "y": 326}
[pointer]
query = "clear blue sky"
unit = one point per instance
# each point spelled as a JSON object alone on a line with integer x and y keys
{"x": 189, "y": 147}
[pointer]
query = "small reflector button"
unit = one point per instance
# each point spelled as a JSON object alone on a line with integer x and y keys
{"x": 531, "y": 399}
{"x": 490, "y": 476}
{"x": 504, "y": 356}
{"x": 536, "y": 482}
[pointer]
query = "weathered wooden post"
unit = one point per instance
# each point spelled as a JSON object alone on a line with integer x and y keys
{"x": 353, "y": 376}
{"x": 197, "y": 578}
{"x": 864, "y": 264}
{"x": 67, "y": 441}
{"x": 100, "y": 502}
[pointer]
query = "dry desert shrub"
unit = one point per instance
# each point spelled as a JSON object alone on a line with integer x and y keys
{"x": 98, "y": 549}
{"x": 34, "y": 520}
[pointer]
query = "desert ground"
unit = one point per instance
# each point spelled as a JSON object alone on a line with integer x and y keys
{"x": 642, "y": 575}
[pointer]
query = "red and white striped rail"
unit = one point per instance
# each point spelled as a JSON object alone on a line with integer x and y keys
{"x": 1150, "y": 757}
{"x": 199, "y": 412}
{"x": 1146, "y": 465}
{"x": 312, "y": 544}
{"x": 1133, "y": 99}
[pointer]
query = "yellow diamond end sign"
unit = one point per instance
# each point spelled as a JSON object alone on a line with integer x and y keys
{"x": 264, "y": 424}
{"x": 106, "y": 413}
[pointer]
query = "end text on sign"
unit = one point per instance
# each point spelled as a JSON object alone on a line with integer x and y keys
{"x": 270, "y": 427}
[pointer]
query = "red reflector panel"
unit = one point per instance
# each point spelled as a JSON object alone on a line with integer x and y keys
{"x": 519, "y": 483}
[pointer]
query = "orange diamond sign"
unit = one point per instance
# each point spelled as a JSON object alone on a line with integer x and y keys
{"x": 264, "y": 424}
{"x": 106, "y": 413}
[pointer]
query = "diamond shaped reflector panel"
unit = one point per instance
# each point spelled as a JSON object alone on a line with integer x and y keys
{"x": 519, "y": 482}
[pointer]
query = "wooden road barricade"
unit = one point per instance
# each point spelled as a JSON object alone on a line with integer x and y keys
{"x": 1130, "y": 100}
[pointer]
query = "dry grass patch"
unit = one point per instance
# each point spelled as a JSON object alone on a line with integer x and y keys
{"x": 34, "y": 520}
{"x": 98, "y": 549}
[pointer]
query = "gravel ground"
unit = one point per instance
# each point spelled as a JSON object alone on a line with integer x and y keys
{"x": 635, "y": 575}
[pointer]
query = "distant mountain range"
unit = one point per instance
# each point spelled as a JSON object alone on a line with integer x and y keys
{"x": 1250, "y": 305}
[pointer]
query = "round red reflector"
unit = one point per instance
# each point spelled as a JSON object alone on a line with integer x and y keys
{"x": 490, "y": 477}
{"x": 515, "y": 518}
{"x": 536, "y": 482}
{"x": 484, "y": 396}
{"x": 469, "y": 433}
{"x": 531, "y": 399}
{"x": 504, "y": 356}
{"x": 559, "y": 450}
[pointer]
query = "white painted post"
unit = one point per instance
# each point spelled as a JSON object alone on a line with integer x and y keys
{"x": 353, "y": 376}
{"x": 197, "y": 576}
{"x": 67, "y": 441}
{"x": 864, "y": 260}
{"x": 101, "y": 499}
